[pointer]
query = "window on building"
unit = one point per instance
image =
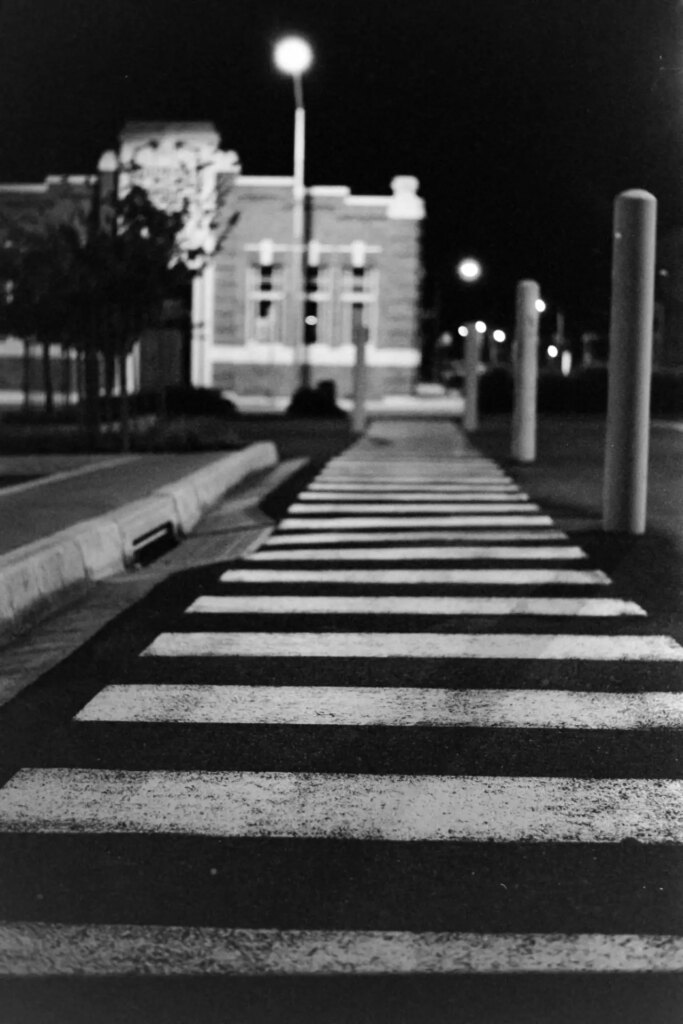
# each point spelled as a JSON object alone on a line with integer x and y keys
{"x": 317, "y": 314}
{"x": 265, "y": 294}
{"x": 311, "y": 324}
{"x": 359, "y": 303}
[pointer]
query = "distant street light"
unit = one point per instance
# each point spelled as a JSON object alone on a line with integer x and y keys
{"x": 462, "y": 331}
{"x": 480, "y": 327}
{"x": 469, "y": 270}
{"x": 293, "y": 55}
{"x": 499, "y": 336}
{"x": 553, "y": 351}
{"x": 540, "y": 306}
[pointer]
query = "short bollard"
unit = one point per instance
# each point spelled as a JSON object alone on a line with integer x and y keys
{"x": 525, "y": 368}
{"x": 630, "y": 362}
{"x": 473, "y": 345}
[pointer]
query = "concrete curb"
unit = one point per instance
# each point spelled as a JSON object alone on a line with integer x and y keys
{"x": 42, "y": 576}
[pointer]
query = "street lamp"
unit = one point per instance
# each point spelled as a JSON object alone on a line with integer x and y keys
{"x": 469, "y": 270}
{"x": 293, "y": 56}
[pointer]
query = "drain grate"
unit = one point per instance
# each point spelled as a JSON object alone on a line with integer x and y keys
{"x": 154, "y": 543}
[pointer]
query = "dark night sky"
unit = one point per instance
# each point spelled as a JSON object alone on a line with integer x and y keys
{"x": 522, "y": 118}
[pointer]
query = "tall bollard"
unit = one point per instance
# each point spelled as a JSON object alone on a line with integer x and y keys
{"x": 525, "y": 366}
{"x": 473, "y": 342}
{"x": 630, "y": 362}
{"x": 359, "y": 335}
{"x": 359, "y": 414}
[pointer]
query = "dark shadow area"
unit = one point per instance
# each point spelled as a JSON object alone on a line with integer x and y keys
{"x": 487, "y": 999}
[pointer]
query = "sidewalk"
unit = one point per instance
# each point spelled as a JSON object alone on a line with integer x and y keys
{"x": 60, "y": 533}
{"x": 438, "y": 406}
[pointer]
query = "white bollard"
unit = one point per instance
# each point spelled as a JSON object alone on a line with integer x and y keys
{"x": 473, "y": 343}
{"x": 630, "y": 362}
{"x": 525, "y": 367}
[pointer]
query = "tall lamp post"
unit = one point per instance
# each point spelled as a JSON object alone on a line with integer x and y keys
{"x": 293, "y": 56}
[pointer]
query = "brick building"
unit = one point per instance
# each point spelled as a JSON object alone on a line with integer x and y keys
{"x": 362, "y": 265}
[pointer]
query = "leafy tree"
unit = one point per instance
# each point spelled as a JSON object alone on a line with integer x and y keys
{"x": 94, "y": 276}
{"x": 35, "y": 268}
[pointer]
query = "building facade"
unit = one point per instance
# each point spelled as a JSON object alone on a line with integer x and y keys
{"x": 360, "y": 266}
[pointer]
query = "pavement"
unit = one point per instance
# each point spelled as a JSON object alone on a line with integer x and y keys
{"x": 413, "y": 755}
{"x": 440, "y": 403}
{"x": 69, "y": 523}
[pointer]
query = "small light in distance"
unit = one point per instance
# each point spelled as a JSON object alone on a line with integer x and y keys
{"x": 311, "y": 321}
{"x": 462, "y": 331}
{"x": 540, "y": 306}
{"x": 552, "y": 351}
{"x": 469, "y": 269}
{"x": 480, "y": 327}
{"x": 499, "y": 336}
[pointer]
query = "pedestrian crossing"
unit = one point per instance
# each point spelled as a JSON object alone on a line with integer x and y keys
{"x": 370, "y": 748}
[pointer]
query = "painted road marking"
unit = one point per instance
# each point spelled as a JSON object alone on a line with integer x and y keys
{"x": 397, "y": 480}
{"x": 398, "y": 496}
{"x": 397, "y": 473}
{"x": 358, "y": 705}
{"x": 396, "y": 808}
{"x": 464, "y": 553}
{"x": 369, "y": 486}
{"x": 37, "y": 949}
{"x": 321, "y": 604}
{"x": 281, "y": 540}
{"x": 412, "y": 577}
{"x": 409, "y": 461}
{"x": 368, "y": 522}
{"x": 518, "y": 646}
{"x": 421, "y": 469}
{"x": 363, "y": 507}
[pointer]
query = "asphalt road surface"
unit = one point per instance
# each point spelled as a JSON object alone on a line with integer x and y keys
{"x": 415, "y": 759}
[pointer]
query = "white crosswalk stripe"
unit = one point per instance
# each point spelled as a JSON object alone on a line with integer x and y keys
{"x": 329, "y": 537}
{"x": 105, "y": 950}
{"x": 465, "y": 553}
{"x": 363, "y": 522}
{"x": 301, "y": 604}
{"x": 523, "y": 646}
{"x": 417, "y": 577}
{"x": 368, "y": 507}
{"x": 395, "y": 706}
{"x": 491, "y": 497}
{"x": 397, "y": 808}
{"x": 372, "y": 486}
